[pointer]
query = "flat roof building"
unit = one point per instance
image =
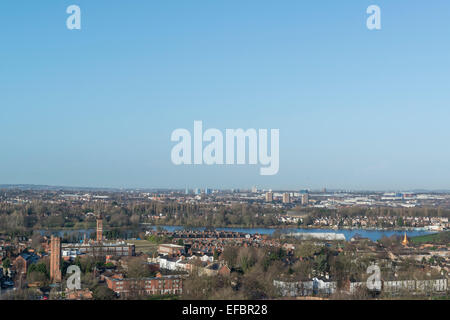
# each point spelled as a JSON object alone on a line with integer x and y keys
{"x": 119, "y": 248}
{"x": 170, "y": 249}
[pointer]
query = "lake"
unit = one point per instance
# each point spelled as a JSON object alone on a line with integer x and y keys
{"x": 348, "y": 233}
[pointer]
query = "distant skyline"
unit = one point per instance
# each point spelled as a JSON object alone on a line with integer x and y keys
{"x": 202, "y": 188}
{"x": 356, "y": 109}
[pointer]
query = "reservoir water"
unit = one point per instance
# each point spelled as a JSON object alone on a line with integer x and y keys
{"x": 348, "y": 233}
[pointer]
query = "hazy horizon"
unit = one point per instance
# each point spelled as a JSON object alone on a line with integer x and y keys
{"x": 27, "y": 186}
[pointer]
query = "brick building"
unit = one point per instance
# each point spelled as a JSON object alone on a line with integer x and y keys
{"x": 84, "y": 294}
{"x": 160, "y": 285}
{"x": 170, "y": 249}
{"x": 23, "y": 262}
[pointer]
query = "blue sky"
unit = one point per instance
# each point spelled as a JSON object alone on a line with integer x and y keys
{"x": 356, "y": 109}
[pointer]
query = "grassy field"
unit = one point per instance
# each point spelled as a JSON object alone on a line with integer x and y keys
{"x": 144, "y": 246}
{"x": 438, "y": 238}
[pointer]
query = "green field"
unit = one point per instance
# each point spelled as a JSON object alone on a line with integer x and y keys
{"x": 144, "y": 246}
{"x": 437, "y": 238}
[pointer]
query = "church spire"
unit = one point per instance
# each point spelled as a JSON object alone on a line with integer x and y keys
{"x": 405, "y": 240}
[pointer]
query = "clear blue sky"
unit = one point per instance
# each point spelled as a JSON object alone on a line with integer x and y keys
{"x": 356, "y": 109}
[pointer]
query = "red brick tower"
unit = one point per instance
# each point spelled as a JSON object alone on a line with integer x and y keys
{"x": 99, "y": 228}
{"x": 55, "y": 259}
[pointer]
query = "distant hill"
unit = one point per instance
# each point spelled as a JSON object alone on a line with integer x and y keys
{"x": 39, "y": 187}
{"x": 53, "y": 188}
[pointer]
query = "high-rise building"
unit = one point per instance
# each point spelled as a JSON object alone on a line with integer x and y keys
{"x": 99, "y": 229}
{"x": 305, "y": 199}
{"x": 55, "y": 259}
{"x": 269, "y": 196}
{"x": 255, "y": 189}
{"x": 286, "y": 198}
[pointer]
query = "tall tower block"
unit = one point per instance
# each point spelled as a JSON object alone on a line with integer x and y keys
{"x": 99, "y": 229}
{"x": 55, "y": 259}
